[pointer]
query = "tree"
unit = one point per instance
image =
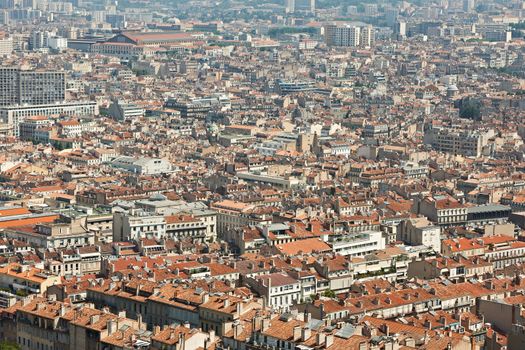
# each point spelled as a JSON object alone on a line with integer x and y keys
{"x": 470, "y": 109}
{"x": 6, "y": 345}
{"x": 329, "y": 293}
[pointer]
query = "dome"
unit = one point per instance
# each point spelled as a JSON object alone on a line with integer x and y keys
{"x": 158, "y": 197}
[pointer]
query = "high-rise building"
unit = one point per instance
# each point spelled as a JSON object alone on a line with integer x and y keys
{"x": 401, "y": 28}
{"x": 368, "y": 36}
{"x": 38, "y": 40}
{"x": 24, "y": 87}
{"x": 299, "y": 5}
{"x": 349, "y": 36}
{"x": 6, "y": 46}
{"x": 469, "y": 5}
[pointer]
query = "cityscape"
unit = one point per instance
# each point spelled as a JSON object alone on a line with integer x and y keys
{"x": 262, "y": 174}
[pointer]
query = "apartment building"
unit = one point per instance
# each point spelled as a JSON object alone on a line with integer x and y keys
{"x": 349, "y": 35}
{"x": 442, "y": 210}
{"x": 52, "y": 235}
{"x": 137, "y": 224}
{"x": 458, "y": 141}
{"x": 278, "y": 290}
{"x": 419, "y": 231}
{"x": 29, "y": 87}
{"x": 14, "y": 115}
{"x": 357, "y": 244}
{"x": 18, "y": 277}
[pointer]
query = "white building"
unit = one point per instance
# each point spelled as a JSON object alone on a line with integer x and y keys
{"x": 358, "y": 244}
{"x": 6, "y": 46}
{"x": 420, "y": 231}
{"x": 143, "y": 165}
{"x": 279, "y": 290}
{"x": 13, "y": 115}
{"x": 137, "y": 224}
{"x": 349, "y": 35}
{"x": 57, "y": 43}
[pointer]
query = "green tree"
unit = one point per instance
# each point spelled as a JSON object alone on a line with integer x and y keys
{"x": 470, "y": 109}
{"x": 6, "y": 345}
{"x": 329, "y": 293}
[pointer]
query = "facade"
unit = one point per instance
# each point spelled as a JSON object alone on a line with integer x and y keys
{"x": 458, "y": 142}
{"x": 349, "y": 35}
{"x": 358, "y": 244}
{"x": 420, "y": 231}
{"x": 13, "y": 115}
{"x": 142, "y": 166}
{"x": 6, "y": 46}
{"x": 52, "y": 235}
{"x": 28, "y": 279}
{"x": 442, "y": 210}
{"x": 137, "y": 224}
{"x": 24, "y": 87}
{"x": 121, "y": 110}
{"x": 300, "y": 6}
{"x": 278, "y": 290}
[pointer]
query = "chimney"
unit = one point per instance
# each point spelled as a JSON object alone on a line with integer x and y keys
{"x": 94, "y": 319}
{"x": 296, "y": 333}
{"x": 443, "y": 320}
{"x": 237, "y": 330}
{"x": 428, "y": 324}
{"x": 307, "y": 317}
{"x": 139, "y": 320}
{"x": 111, "y": 325}
{"x": 239, "y": 308}
{"x": 182, "y": 341}
{"x": 205, "y": 298}
{"x": 385, "y": 329}
{"x": 329, "y": 341}
{"x": 489, "y": 284}
{"x": 226, "y": 303}
{"x": 265, "y": 324}
{"x": 306, "y": 333}
{"x": 156, "y": 330}
{"x": 320, "y": 338}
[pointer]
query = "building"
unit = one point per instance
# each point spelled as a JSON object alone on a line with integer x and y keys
{"x": 137, "y": 224}
{"x": 288, "y": 87}
{"x": 458, "y": 142}
{"x": 358, "y": 244}
{"x": 349, "y": 35}
{"x": 121, "y": 110}
{"x": 155, "y": 39}
{"x": 142, "y": 165}
{"x": 278, "y": 290}
{"x": 52, "y": 235}
{"x": 13, "y": 115}
{"x": 6, "y": 46}
{"x": 29, "y": 87}
{"x": 17, "y": 277}
{"x": 299, "y": 6}
{"x": 442, "y": 210}
{"x": 420, "y": 231}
